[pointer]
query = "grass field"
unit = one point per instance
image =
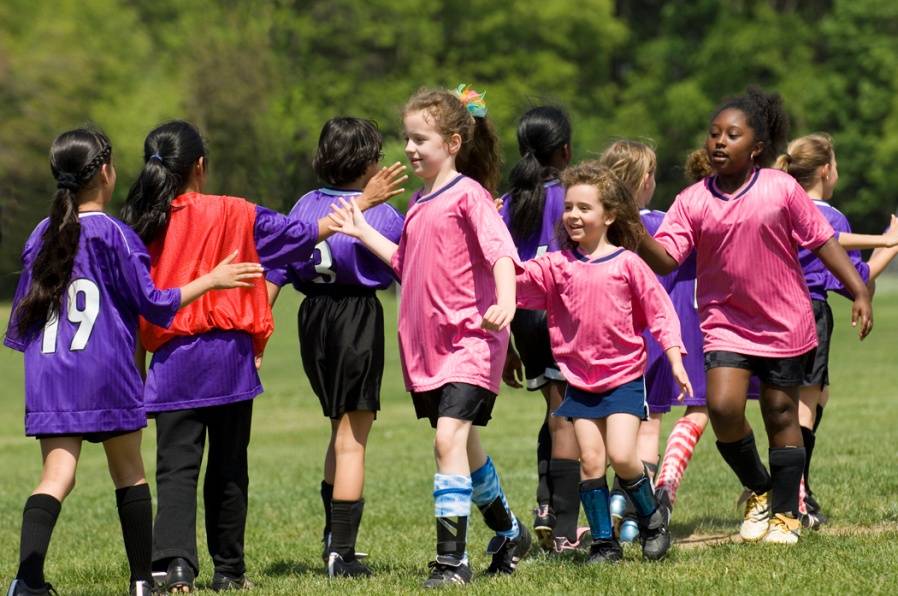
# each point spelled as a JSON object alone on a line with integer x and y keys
{"x": 854, "y": 478}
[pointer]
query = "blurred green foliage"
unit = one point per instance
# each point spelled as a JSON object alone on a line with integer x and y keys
{"x": 261, "y": 77}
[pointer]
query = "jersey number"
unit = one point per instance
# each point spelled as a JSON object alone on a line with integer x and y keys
{"x": 83, "y": 317}
{"x": 324, "y": 269}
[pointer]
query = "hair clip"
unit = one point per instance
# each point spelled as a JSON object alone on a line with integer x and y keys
{"x": 472, "y": 100}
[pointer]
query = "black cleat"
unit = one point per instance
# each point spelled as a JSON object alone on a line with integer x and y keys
{"x": 654, "y": 535}
{"x": 507, "y": 552}
{"x": 179, "y": 577}
{"x": 19, "y": 588}
{"x": 337, "y": 567}
{"x": 543, "y": 526}
{"x": 224, "y": 583}
{"x": 605, "y": 551}
{"x": 448, "y": 571}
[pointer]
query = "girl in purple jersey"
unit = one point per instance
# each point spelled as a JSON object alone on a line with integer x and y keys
{"x": 811, "y": 160}
{"x": 532, "y": 211}
{"x": 341, "y": 327}
{"x": 84, "y": 282}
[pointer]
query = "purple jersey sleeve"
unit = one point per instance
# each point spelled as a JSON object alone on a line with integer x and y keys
{"x": 341, "y": 259}
{"x": 29, "y": 252}
{"x": 817, "y": 277}
{"x": 281, "y": 240}
{"x": 546, "y": 239}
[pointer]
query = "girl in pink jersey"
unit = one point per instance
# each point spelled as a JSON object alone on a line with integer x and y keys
{"x": 599, "y": 299}
{"x": 456, "y": 262}
{"x": 745, "y": 225}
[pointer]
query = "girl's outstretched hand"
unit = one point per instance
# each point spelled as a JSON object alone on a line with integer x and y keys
{"x": 229, "y": 274}
{"x": 497, "y": 318}
{"x": 348, "y": 218}
{"x": 862, "y": 311}
{"x": 383, "y": 186}
{"x": 682, "y": 379}
{"x": 891, "y": 234}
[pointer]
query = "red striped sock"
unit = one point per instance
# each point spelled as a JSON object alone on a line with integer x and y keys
{"x": 680, "y": 446}
{"x": 802, "y": 506}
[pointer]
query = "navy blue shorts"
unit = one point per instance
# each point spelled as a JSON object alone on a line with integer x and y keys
{"x": 628, "y": 398}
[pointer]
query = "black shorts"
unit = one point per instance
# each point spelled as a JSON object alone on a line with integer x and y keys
{"x": 462, "y": 401}
{"x": 531, "y": 338}
{"x": 818, "y": 376}
{"x": 100, "y": 437}
{"x": 780, "y": 372}
{"x": 341, "y": 341}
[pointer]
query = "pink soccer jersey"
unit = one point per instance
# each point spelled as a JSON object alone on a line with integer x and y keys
{"x": 597, "y": 310}
{"x": 751, "y": 293}
{"x": 450, "y": 241}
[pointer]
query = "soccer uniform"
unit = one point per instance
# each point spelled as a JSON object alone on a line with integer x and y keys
{"x": 760, "y": 322}
{"x": 819, "y": 281}
{"x": 80, "y": 375}
{"x": 661, "y": 388}
{"x": 529, "y": 327}
{"x": 450, "y": 241}
{"x": 597, "y": 310}
{"x": 203, "y": 377}
{"x": 341, "y": 327}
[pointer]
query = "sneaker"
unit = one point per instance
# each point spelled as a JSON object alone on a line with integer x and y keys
{"x": 543, "y": 525}
{"x": 179, "y": 577}
{"x": 448, "y": 571}
{"x": 20, "y": 588}
{"x": 563, "y": 544}
{"x": 143, "y": 588}
{"x": 605, "y": 551}
{"x": 756, "y": 517}
{"x": 508, "y": 552}
{"x": 337, "y": 567}
{"x": 783, "y": 529}
{"x": 654, "y": 535}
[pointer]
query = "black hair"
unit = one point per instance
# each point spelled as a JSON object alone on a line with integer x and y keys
{"x": 346, "y": 147}
{"x": 767, "y": 117}
{"x": 542, "y": 131}
{"x": 169, "y": 152}
{"x": 75, "y": 158}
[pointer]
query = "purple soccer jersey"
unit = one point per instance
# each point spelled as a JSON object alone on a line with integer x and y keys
{"x": 224, "y": 358}
{"x": 547, "y": 240}
{"x": 341, "y": 259}
{"x": 80, "y": 375}
{"x": 661, "y": 389}
{"x": 816, "y": 275}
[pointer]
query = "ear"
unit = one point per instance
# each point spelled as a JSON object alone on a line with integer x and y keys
{"x": 826, "y": 171}
{"x": 757, "y": 150}
{"x": 566, "y": 153}
{"x": 200, "y": 166}
{"x": 609, "y": 219}
{"x": 454, "y": 143}
{"x": 106, "y": 173}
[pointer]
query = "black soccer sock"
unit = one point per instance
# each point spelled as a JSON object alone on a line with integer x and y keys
{"x": 135, "y": 513}
{"x": 38, "y": 520}
{"x": 452, "y": 536}
{"x": 565, "y": 475}
{"x": 810, "y": 439}
{"x": 544, "y": 487}
{"x": 345, "y": 519}
{"x": 327, "y": 495}
{"x": 742, "y": 456}
{"x": 786, "y": 466}
{"x": 818, "y": 417}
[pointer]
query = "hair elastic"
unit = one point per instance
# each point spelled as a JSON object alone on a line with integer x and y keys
{"x": 156, "y": 156}
{"x": 472, "y": 100}
{"x": 67, "y": 181}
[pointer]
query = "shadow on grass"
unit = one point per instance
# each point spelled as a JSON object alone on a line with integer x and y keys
{"x": 715, "y": 526}
{"x": 282, "y": 568}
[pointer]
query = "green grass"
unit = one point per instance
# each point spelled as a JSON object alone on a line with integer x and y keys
{"x": 854, "y": 477}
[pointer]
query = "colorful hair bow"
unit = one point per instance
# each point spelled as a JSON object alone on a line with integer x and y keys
{"x": 472, "y": 100}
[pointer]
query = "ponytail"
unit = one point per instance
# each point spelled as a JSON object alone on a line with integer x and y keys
{"x": 479, "y": 157}
{"x": 542, "y": 132}
{"x": 804, "y": 156}
{"x": 170, "y": 152}
{"x": 75, "y": 159}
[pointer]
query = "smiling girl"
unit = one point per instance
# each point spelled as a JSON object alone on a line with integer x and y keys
{"x": 746, "y": 224}
{"x": 456, "y": 262}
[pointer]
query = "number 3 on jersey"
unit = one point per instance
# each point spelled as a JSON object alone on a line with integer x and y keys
{"x": 324, "y": 267}
{"x": 83, "y": 317}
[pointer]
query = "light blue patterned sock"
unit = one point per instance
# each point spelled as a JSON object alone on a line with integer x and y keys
{"x": 487, "y": 489}
{"x": 451, "y": 495}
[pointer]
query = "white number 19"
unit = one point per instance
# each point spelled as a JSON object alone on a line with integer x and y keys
{"x": 83, "y": 317}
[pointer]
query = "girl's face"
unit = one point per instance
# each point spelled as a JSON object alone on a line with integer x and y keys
{"x": 829, "y": 176}
{"x": 584, "y": 218}
{"x": 731, "y": 144}
{"x": 646, "y": 189}
{"x": 426, "y": 149}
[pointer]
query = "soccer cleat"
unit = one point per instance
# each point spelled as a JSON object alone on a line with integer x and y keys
{"x": 448, "y": 571}
{"x": 563, "y": 544}
{"x": 543, "y": 525}
{"x": 605, "y": 551}
{"x": 756, "y": 517}
{"x": 20, "y": 588}
{"x": 810, "y": 521}
{"x": 337, "y": 567}
{"x": 508, "y": 552}
{"x": 654, "y": 535}
{"x": 783, "y": 529}
{"x": 179, "y": 577}
{"x": 142, "y": 588}
{"x": 226, "y": 583}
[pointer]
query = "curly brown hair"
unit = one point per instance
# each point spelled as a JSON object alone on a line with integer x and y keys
{"x": 616, "y": 198}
